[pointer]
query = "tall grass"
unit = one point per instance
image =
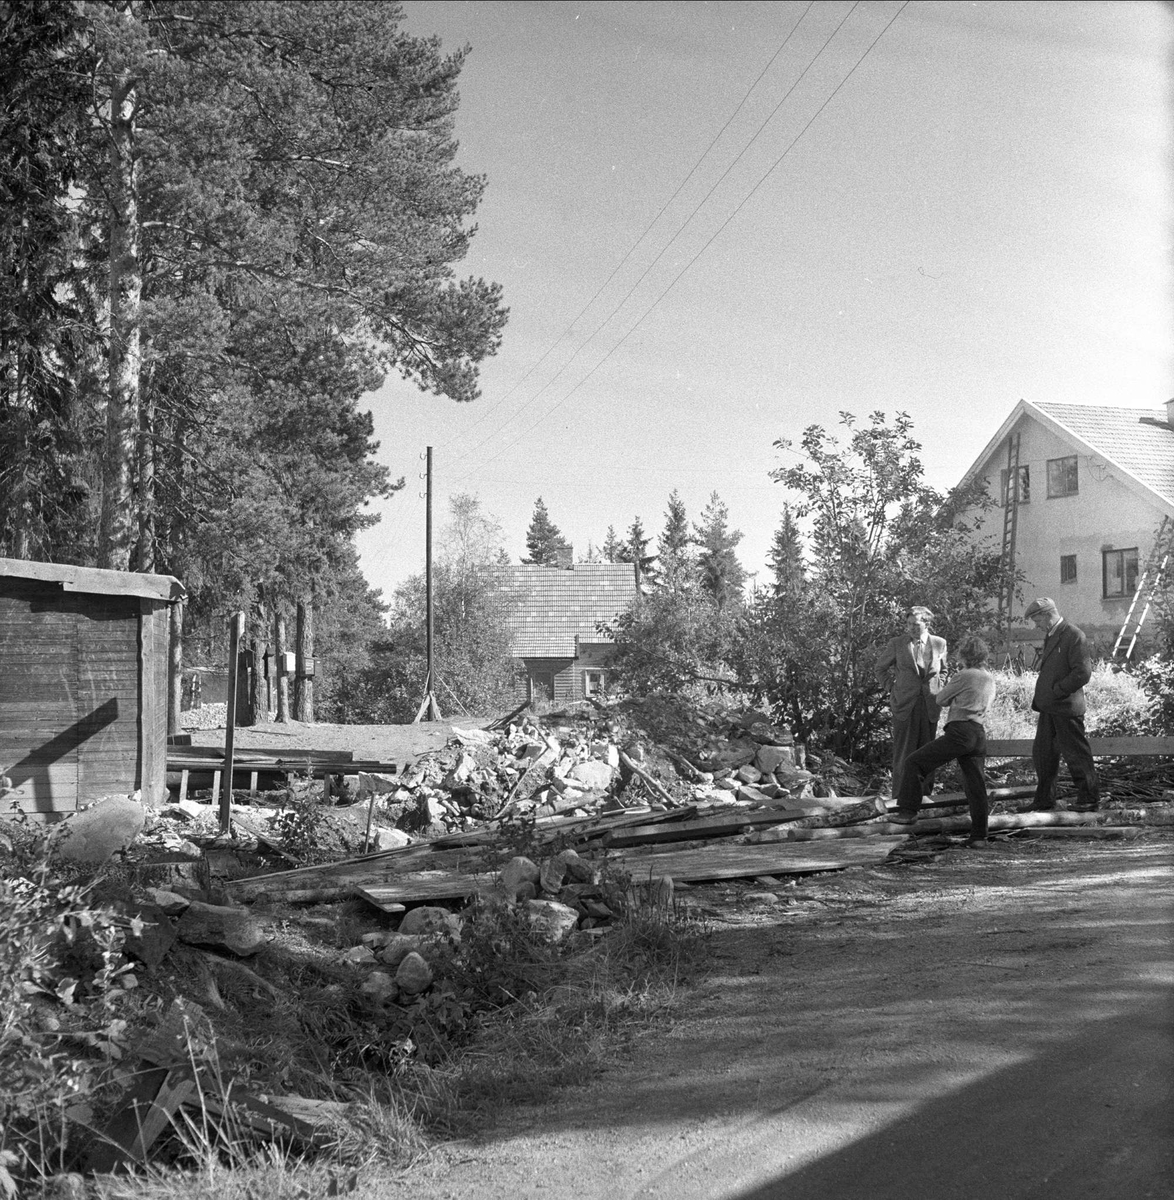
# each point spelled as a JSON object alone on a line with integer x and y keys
{"x": 1118, "y": 706}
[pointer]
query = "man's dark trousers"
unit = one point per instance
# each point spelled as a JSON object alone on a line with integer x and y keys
{"x": 961, "y": 740}
{"x": 1059, "y": 734}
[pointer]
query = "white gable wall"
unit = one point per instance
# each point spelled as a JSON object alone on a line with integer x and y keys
{"x": 1107, "y": 513}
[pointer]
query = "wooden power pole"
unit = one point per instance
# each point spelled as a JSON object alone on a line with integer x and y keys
{"x": 428, "y": 704}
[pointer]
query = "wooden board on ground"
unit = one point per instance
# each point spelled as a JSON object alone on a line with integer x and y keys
{"x": 1106, "y": 747}
{"x": 735, "y": 862}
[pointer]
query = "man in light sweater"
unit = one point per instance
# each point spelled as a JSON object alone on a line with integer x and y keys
{"x": 969, "y": 695}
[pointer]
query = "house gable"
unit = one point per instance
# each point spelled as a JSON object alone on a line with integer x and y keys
{"x": 1099, "y": 483}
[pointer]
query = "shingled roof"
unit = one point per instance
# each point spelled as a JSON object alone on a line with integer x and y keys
{"x": 555, "y": 605}
{"x": 1138, "y": 442}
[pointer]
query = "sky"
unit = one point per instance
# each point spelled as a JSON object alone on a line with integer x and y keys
{"x": 718, "y": 224}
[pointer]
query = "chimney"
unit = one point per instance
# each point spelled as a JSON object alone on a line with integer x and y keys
{"x": 1170, "y": 412}
{"x": 565, "y": 558}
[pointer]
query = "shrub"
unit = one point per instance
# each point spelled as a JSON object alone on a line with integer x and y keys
{"x": 62, "y": 973}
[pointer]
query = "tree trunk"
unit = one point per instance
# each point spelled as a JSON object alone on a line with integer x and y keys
{"x": 115, "y": 534}
{"x": 258, "y": 700}
{"x": 304, "y": 668}
{"x": 279, "y": 655}
{"x": 175, "y": 668}
{"x": 146, "y": 459}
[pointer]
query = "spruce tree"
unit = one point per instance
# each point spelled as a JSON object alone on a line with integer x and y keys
{"x": 720, "y": 573}
{"x": 673, "y": 544}
{"x": 612, "y": 549}
{"x": 785, "y": 558}
{"x": 543, "y": 538}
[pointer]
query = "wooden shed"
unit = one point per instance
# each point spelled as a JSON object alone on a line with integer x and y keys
{"x": 83, "y": 684}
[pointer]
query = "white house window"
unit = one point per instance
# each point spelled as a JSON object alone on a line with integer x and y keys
{"x": 593, "y": 682}
{"x": 1063, "y": 478}
{"x": 1067, "y": 568}
{"x": 1024, "y": 485}
{"x": 1120, "y": 572}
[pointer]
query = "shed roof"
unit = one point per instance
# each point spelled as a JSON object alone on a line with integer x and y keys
{"x": 555, "y": 606}
{"x": 95, "y": 580}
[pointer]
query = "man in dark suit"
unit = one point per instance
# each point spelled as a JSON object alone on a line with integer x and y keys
{"x": 912, "y": 667}
{"x": 1065, "y": 667}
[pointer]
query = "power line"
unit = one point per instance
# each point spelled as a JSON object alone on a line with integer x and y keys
{"x": 635, "y": 246}
{"x": 713, "y": 237}
{"x": 680, "y": 229}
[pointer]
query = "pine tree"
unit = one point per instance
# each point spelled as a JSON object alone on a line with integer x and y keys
{"x": 719, "y": 572}
{"x": 635, "y": 550}
{"x": 612, "y": 548}
{"x": 544, "y": 541}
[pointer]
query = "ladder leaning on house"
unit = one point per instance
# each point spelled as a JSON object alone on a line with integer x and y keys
{"x": 1011, "y": 499}
{"x": 1156, "y": 573}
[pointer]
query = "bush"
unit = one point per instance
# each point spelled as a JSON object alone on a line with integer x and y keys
{"x": 62, "y": 977}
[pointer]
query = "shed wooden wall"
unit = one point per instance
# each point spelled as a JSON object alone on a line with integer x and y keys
{"x": 83, "y": 687}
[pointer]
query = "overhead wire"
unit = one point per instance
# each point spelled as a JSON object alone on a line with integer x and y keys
{"x": 676, "y": 279}
{"x": 635, "y": 246}
{"x": 680, "y": 230}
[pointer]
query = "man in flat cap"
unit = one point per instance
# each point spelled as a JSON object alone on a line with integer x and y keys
{"x": 1065, "y": 667}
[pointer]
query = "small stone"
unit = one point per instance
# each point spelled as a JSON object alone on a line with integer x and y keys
{"x": 215, "y": 925}
{"x": 516, "y": 872}
{"x": 358, "y": 955}
{"x": 384, "y": 838}
{"x": 552, "y": 919}
{"x": 593, "y": 775}
{"x": 554, "y": 871}
{"x": 770, "y": 758}
{"x": 398, "y": 947}
{"x": 413, "y": 975}
{"x": 760, "y": 898}
{"x": 171, "y": 904}
{"x": 380, "y": 987}
{"x": 429, "y": 919}
{"x": 748, "y": 774}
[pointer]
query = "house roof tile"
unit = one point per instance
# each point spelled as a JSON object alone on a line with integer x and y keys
{"x": 1137, "y": 440}
{"x": 554, "y": 606}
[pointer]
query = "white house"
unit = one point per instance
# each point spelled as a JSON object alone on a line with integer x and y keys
{"x": 1095, "y": 484}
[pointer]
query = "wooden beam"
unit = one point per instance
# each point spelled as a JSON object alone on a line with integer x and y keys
{"x": 1107, "y": 747}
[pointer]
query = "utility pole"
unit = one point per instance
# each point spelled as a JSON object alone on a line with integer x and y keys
{"x": 428, "y": 704}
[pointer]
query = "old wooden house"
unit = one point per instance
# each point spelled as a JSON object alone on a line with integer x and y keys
{"x": 556, "y": 617}
{"x": 83, "y": 684}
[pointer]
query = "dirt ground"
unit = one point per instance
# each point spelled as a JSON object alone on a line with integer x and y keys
{"x": 994, "y": 1025}
{"x": 950, "y": 1025}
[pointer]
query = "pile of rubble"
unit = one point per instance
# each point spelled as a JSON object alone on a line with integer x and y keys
{"x": 653, "y": 754}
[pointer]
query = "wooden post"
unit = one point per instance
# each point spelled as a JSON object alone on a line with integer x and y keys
{"x": 279, "y": 654}
{"x": 175, "y": 667}
{"x": 428, "y": 705}
{"x": 304, "y": 664}
{"x": 236, "y": 628}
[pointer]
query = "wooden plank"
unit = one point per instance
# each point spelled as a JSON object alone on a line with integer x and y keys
{"x": 1107, "y": 747}
{"x": 734, "y": 862}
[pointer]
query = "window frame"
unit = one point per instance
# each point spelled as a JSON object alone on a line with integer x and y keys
{"x": 1068, "y": 561}
{"x": 1127, "y": 591}
{"x": 1024, "y": 484}
{"x": 601, "y": 681}
{"x": 1072, "y": 475}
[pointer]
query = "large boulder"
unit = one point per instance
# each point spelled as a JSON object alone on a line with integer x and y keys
{"x": 106, "y": 828}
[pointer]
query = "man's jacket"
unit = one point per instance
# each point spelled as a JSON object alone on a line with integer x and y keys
{"x": 1065, "y": 668}
{"x": 909, "y": 683}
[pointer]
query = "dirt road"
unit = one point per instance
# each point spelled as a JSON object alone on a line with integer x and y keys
{"x": 980, "y": 1025}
